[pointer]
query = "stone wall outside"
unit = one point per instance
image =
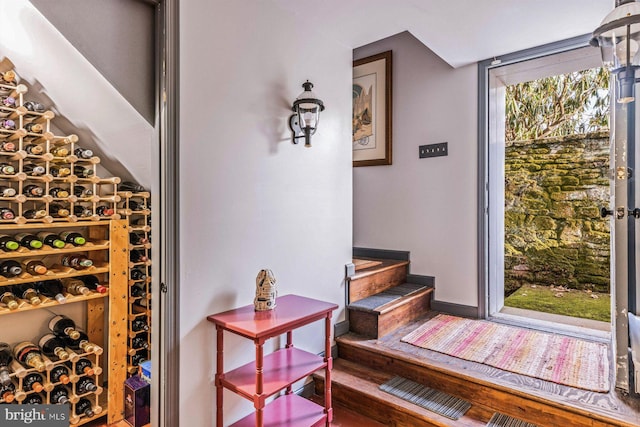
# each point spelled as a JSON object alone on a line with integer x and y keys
{"x": 554, "y": 235}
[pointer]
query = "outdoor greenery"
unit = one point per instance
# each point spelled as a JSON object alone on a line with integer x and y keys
{"x": 559, "y": 300}
{"x": 565, "y": 104}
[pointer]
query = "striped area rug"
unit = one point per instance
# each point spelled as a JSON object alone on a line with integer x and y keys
{"x": 428, "y": 398}
{"x": 501, "y": 420}
{"x": 556, "y": 358}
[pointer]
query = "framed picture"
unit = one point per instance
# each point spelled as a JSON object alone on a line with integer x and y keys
{"x": 371, "y": 134}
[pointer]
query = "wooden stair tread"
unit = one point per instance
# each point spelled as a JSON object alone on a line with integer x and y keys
{"x": 450, "y": 376}
{"x": 384, "y": 265}
{"x": 391, "y": 298}
{"x": 347, "y": 375}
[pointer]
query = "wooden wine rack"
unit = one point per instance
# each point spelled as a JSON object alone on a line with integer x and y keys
{"x": 107, "y": 245}
{"x": 139, "y": 220}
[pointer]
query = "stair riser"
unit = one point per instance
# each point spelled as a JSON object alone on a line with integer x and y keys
{"x": 376, "y": 283}
{"x": 494, "y": 398}
{"x": 376, "y": 325}
{"x": 379, "y": 410}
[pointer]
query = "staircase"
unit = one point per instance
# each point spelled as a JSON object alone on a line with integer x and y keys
{"x": 383, "y": 307}
{"x": 380, "y": 298}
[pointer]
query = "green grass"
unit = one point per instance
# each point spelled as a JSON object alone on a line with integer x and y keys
{"x": 572, "y": 303}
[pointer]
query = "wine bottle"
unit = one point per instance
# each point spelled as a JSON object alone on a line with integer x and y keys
{"x": 34, "y": 149}
{"x": 83, "y": 153}
{"x": 85, "y": 385}
{"x": 138, "y": 358}
{"x": 59, "y": 151}
{"x": 139, "y": 324}
{"x": 10, "y": 268}
{"x": 7, "y": 169}
{"x": 5, "y": 359}
{"x": 73, "y": 237}
{"x": 58, "y": 211}
{"x": 8, "y": 102}
{"x": 138, "y": 290}
{"x": 8, "y": 147}
{"x": 27, "y": 292}
{"x": 8, "y": 77}
{"x": 51, "y": 239}
{"x": 93, "y": 283}
{"x": 7, "y": 392}
{"x": 82, "y": 171}
{"x": 35, "y": 267}
{"x": 59, "y": 394}
{"x": 130, "y": 186}
{"x": 83, "y": 367}
{"x": 7, "y": 191}
{"x": 104, "y": 210}
{"x": 137, "y": 256}
{"x": 34, "y": 213}
{"x": 33, "y": 381}
{"x": 75, "y": 286}
{"x": 137, "y": 274}
{"x": 33, "y": 399}
{"x": 28, "y": 240}
{"x": 84, "y": 407}
{"x": 77, "y": 261}
{"x": 60, "y": 373}
{"x": 141, "y": 302}
{"x": 34, "y": 127}
{"x": 33, "y": 190}
{"x": 140, "y": 342}
{"x": 62, "y": 325}
{"x": 51, "y": 289}
{"x": 33, "y": 169}
{"x": 34, "y": 107}
{"x": 58, "y": 192}
{"x": 136, "y": 206}
{"x": 7, "y": 124}
{"x": 8, "y": 243}
{"x": 82, "y": 344}
{"x": 82, "y": 211}
{"x": 59, "y": 171}
{"x": 7, "y": 214}
{"x": 29, "y": 354}
{"x": 53, "y": 346}
{"x": 138, "y": 239}
{"x": 9, "y": 299}
{"x": 82, "y": 191}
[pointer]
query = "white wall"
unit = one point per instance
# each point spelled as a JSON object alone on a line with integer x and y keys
{"x": 249, "y": 198}
{"x": 425, "y": 206}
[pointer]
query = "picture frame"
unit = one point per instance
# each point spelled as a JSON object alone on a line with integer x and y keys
{"x": 371, "y": 111}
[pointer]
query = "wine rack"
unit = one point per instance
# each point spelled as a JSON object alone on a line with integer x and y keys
{"x": 79, "y": 191}
{"x": 135, "y": 207}
{"x": 48, "y": 183}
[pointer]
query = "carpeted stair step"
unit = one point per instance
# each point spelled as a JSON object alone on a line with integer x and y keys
{"x": 379, "y": 314}
{"x": 358, "y": 388}
{"x": 376, "y": 275}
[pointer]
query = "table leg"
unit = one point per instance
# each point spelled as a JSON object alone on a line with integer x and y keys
{"x": 327, "y": 372}
{"x": 218, "y": 377}
{"x": 259, "y": 403}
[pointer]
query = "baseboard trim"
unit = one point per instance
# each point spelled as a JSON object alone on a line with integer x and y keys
{"x": 429, "y": 281}
{"x": 340, "y": 328}
{"x": 455, "y": 309}
{"x": 381, "y": 253}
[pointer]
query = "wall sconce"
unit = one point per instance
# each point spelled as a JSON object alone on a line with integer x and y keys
{"x": 307, "y": 109}
{"x": 618, "y": 38}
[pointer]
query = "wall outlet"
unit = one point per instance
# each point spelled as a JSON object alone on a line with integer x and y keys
{"x": 433, "y": 150}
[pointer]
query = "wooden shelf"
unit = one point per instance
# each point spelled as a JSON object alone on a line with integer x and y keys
{"x": 281, "y": 369}
{"x": 23, "y": 252}
{"x": 289, "y": 410}
{"x": 49, "y": 303}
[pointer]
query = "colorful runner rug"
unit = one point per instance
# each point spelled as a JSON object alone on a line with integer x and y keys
{"x": 557, "y": 358}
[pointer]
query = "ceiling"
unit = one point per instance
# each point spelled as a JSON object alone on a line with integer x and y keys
{"x": 460, "y": 32}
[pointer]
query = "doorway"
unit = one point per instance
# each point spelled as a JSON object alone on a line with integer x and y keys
{"x": 549, "y": 250}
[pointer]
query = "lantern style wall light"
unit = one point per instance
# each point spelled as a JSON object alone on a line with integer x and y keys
{"x": 307, "y": 108}
{"x": 618, "y": 38}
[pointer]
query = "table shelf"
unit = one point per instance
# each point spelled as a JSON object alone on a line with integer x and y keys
{"x": 281, "y": 368}
{"x": 289, "y": 410}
